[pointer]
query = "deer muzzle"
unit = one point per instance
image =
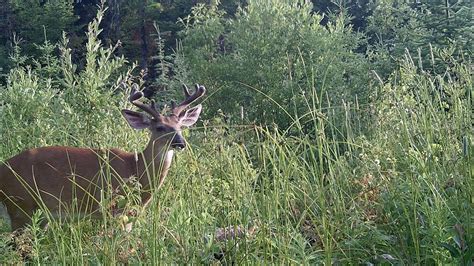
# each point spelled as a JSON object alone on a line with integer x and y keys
{"x": 178, "y": 142}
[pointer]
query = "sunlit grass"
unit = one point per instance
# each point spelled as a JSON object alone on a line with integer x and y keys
{"x": 392, "y": 196}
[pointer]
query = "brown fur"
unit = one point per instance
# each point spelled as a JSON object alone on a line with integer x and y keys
{"x": 60, "y": 174}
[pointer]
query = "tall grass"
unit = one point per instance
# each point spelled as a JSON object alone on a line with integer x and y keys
{"x": 389, "y": 183}
{"x": 394, "y": 196}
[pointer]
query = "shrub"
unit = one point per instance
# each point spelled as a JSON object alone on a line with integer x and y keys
{"x": 271, "y": 59}
{"x": 52, "y": 103}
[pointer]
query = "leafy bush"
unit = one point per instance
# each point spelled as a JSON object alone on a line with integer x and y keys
{"x": 271, "y": 59}
{"x": 35, "y": 21}
{"x": 51, "y": 103}
{"x": 422, "y": 166}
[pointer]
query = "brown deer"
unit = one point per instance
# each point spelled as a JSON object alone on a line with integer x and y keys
{"x": 55, "y": 177}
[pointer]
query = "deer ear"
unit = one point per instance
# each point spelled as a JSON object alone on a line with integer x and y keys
{"x": 136, "y": 120}
{"x": 190, "y": 117}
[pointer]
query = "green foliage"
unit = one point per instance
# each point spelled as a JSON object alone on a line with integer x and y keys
{"x": 425, "y": 166}
{"x": 27, "y": 109}
{"x": 52, "y": 103}
{"x": 385, "y": 182}
{"x": 462, "y": 249}
{"x": 395, "y": 27}
{"x": 269, "y": 57}
{"x": 449, "y": 23}
{"x": 36, "y": 21}
{"x": 387, "y": 198}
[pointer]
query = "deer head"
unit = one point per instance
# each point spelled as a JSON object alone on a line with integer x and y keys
{"x": 165, "y": 129}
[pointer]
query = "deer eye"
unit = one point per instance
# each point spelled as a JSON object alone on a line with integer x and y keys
{"x": 160, "y": 128}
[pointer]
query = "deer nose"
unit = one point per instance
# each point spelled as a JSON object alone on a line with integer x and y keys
{"x": 178, "y": 142}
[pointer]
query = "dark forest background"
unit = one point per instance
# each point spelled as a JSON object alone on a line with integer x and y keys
{"x": 388, "y": 27}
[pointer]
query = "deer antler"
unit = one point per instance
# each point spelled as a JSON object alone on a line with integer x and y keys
{"x": 135, "y": 95}
{"x": 190, "y": 98}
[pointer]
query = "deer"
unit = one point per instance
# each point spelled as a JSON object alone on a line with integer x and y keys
{"x": 54, "y": 177}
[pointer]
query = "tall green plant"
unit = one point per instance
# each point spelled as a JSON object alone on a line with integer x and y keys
{"x": 427, "y": 174}
{"x": 34, "y": 21}
{"x": 53, "y": 103}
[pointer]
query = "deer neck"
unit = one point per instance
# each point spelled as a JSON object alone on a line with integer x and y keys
{"x": 153, "y": 164}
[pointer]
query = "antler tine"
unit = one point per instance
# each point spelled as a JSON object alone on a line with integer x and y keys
{"x": 135, "y": 95}
{"x": 186, "y": 90}
{"x": 200, "y": 90}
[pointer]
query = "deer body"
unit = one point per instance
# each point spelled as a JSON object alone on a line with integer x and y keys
{"x": 57, "y": 176}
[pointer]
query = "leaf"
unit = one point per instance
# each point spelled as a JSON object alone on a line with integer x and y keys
{"x": 452, "y": 250}
{"x": 459, "y": 242}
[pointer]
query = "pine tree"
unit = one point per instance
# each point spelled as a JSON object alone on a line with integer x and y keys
{"x": 397, "y": 26}
{"x": 35, "y": 20}
{"x": 449, "y": 23}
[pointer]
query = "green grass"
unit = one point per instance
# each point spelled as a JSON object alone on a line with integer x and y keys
{"x": 388, "y": 181}
{"x": 398, "y": 192}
